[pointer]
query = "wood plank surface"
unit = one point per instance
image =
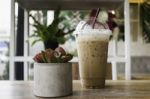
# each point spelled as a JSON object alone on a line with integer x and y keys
{"x": 69, "y": 4}
{"x": 114, "y": 90}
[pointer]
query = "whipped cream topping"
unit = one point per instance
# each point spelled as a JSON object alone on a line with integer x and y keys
{"x": 83, "y": 25}
{"x": 84, "y": 28}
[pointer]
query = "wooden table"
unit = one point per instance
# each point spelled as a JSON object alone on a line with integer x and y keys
{"x": 114, "y": 90}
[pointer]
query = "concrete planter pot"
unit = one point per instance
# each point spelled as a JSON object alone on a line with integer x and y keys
{"x": 52, "y": 79}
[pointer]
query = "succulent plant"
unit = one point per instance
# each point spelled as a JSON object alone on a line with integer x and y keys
{"x": 58, "y": 55}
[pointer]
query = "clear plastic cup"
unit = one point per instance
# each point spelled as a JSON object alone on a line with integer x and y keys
{"x": 92, "y": 47}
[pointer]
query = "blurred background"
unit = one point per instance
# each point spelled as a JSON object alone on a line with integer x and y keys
{"x": 140, "y": 37}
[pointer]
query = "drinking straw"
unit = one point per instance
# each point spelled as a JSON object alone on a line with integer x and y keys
{"x": 94, "y": 20}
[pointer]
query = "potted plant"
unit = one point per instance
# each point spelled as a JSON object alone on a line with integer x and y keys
{"x": 52, "y": 35}
{"x": 52, "y": 73}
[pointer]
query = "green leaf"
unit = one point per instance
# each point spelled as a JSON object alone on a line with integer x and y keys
{"x": 57, "y": 13}
{"x": 61, "y": 40}
{"x": 44, "y": 57}
{"x": 37, "y": 40}
{"x": 53, "y": 27}
{"x": 36, "y": 22}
